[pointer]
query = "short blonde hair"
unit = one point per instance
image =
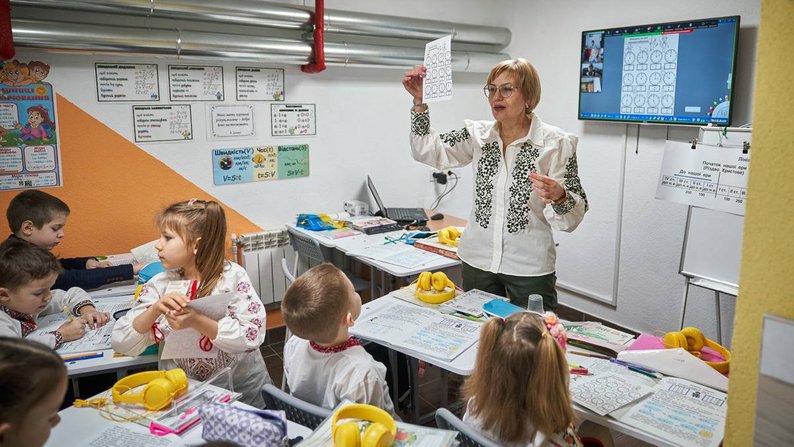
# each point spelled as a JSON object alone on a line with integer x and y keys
{"x": 316, "y": 302}
{"x": 526, "y": 76}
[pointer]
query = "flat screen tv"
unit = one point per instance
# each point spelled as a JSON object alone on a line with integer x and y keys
{"x": 668, "y": 73}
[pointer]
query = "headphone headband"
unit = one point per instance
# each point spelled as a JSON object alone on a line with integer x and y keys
{"x": 380, "y": 433}
{"x": 691, "y": 339}
{"x": 161, "y": 388}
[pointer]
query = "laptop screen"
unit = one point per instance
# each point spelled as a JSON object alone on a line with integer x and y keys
{"x": 376, "y": 196}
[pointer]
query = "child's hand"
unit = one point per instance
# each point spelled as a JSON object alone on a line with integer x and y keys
{"x": 72, "y": 330}
{"x": 94, "y": 264}
{"x": 138, "y": 266}
{"x": 181, "y": 319}
{"x": 94, "y": 318}
{"x": 171, "y": 302}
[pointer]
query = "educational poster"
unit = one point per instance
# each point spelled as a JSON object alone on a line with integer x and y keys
{"x": 437, "y": 84}
{"x": 195, "y": 83}
{"x": 708, "y": 176}
{"x": 29, "y": 154}
{"x": 649, "y": 74}
{"x": 127, "y": 82}
{"x": 292, "y": 119}
{"x": 227, "y": 121}
{"x": 162, "y": 123}
{"x": 259, "y": 163}
{"x": 259, "y": 84}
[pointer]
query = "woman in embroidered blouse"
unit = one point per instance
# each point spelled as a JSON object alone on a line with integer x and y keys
{"x": 526, "y": 183}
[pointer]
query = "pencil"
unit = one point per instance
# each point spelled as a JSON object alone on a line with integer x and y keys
{"x": 587, "y": 354}
{"x": 66, "y": 309}
{"x": 83, "y": 356}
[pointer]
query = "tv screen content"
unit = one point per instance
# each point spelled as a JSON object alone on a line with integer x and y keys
{"x": 670, "y": 73}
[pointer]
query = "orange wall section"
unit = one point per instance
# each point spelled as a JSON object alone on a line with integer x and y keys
{"x": 113, "y": 188}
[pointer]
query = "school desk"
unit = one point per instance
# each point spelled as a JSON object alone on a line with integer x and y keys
{"x": 80, "y": 425}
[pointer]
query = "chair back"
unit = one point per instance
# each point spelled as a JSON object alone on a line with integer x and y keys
{"x": 467, "y": 436}
{"x": 306, "y": 246}
{"x": 299, "y": 411}
{"x": 287, "y": 273}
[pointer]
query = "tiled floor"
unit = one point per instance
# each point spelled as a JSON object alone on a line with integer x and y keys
{"x": 429, "y": 385}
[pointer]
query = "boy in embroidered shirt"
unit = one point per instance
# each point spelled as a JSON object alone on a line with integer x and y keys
{"x": 39, "y": 218}
{"x": 323, "y": 364}
{"x": 26, "y": 275}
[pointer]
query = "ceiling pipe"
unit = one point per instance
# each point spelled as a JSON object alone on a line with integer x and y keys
{"x": 103, "y": 39}
{"x": 318, "y": 54}
{"x": 274, "y": 15}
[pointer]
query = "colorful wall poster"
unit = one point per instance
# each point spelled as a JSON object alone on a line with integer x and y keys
{"x": 292, "y": 119}
{"x": 259, "y": 163}
{"x": 231, "y": 121}
{"x": 162, "y": 123}
{"x": 29, "y": 155}
{"x": 127, "y": 82}
{"x": 195, "y": 83}
{"x": 259, "y": 84}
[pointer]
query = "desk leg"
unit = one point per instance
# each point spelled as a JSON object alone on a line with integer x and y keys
{"x": 683, "y": 308}
{"x": 413, "y": 366}
{"x": 719, "y": 316}
{"x": 76, "y": 388}
{"x": 444, "y": 388}
{"x": 395, "y": 380}
{"x": 373, "y": 282}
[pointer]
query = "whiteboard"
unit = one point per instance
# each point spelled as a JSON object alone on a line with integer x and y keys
{"x": 713, "y": 240}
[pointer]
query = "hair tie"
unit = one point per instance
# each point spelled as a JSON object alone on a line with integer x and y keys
{"x": 191, "y": 201}
{"x": 555, "y": 329}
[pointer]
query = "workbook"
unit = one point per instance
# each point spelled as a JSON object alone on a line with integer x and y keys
{"x": 97, "y": 339}
{"x": 598, "y": 337}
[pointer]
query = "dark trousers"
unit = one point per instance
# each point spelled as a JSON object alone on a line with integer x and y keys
{"x": 517, "y": 288}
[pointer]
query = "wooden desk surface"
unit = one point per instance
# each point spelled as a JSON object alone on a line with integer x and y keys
{"x": 447, "y": 221}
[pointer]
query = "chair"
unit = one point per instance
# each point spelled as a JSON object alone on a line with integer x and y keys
{"x": 303, "y": 413}
{"x": 310, "y": 249}
{"x": 287, "y": 334}
{"x": 467, "y": 436}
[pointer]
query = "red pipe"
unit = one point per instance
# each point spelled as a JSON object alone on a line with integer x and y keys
{"x": 318, "y": 64}
{"x": 6, "y": 36}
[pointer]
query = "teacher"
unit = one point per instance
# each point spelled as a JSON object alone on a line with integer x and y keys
{"x": 526, "y": 183}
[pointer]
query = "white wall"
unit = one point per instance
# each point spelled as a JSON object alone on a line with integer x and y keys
{"x": 649, "y": 290}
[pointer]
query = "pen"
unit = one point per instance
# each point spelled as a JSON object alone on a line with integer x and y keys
{"x": 643, "y": 372}
{"x": 635, "y": 368}
{"x": 598, "y": 356}
{"x": 83, "y": 356}
{"x": 66, "y": 309}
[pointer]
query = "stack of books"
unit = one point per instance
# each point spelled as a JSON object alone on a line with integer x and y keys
{"x": 373, "y": 225}
{"x": 433, "y": 245}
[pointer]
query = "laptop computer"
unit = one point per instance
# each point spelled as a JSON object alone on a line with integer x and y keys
{"x": 398, "y": 214}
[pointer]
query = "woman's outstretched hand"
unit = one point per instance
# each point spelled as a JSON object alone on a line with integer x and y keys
{"x": 412, "y": 81}
{"x": 547, "y": 188}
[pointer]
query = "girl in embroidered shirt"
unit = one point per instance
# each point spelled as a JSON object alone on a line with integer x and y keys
{"x": 32, "y": 388}
{"x": 518, "y": 393}
{"x": 192, "y": 247}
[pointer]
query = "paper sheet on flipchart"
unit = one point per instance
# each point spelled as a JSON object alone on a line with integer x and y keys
{"x": 94, "y": 339}
{"x": 184, "y": 343}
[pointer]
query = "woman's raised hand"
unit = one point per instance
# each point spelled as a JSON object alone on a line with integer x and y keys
{"x": 412, "y": 81}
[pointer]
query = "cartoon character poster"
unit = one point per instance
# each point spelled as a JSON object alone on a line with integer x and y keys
{"x": 29, "y": 156}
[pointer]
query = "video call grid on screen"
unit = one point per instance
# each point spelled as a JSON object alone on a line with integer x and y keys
{"x": 672, "y": 73}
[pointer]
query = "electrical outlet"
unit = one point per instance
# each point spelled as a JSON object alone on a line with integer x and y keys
{"x": 440, "y": 178}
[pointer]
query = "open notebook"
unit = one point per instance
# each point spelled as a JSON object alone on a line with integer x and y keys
{"x": 399, "y": 214}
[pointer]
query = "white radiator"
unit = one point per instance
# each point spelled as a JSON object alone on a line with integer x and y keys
{"x": 260, "y": 254}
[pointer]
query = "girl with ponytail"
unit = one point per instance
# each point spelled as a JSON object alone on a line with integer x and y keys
{"x": 518, "y": 394}
{"x": 192, "y": 248}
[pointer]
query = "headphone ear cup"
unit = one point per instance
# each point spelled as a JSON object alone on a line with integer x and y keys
{"x": 439, "y": 281}
{"x": 423, "y": 282}
{"x": 675, "y": 340}
{"x": 157, "y": 394}
{"x": 347, "y": 435}
{"x": 376, "y": 435}
{"x": 694, "y": 338}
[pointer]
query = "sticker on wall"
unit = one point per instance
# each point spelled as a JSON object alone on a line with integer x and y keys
{"x": 29, "y": 155}
{"x": 195, "y": 83}
{"x": 259, "y": 84}
{"x": 162, "y": 123}
{"x": 292, "y": 119}
{"x": 127, "y": 82}
{"x": 259, "y": 163}
{"x": 228, "y": 121}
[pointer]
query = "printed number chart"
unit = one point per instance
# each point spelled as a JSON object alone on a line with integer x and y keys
{"x": 438, "y": 78}
{"x": 708, "y": 176}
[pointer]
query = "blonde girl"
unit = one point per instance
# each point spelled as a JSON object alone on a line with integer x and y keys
{"x": 32, "y": 387}
{"x": 192, "y": 247}
{"x": 518, "y": 394}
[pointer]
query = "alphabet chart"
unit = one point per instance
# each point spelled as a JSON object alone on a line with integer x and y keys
{"x": 438, "y": 79}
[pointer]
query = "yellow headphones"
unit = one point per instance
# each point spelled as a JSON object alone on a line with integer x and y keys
{"x": 380, "y": 433}
{"x": 449, "y": 236}
{"x": 161, "y": 388}
{"x": 434, "y": 288}
{"x": 691, "y": 339}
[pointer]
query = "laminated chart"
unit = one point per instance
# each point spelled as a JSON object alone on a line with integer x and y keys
{"x": 438, "y": 78}
{"x": 259, "y": 163}
{"x": 649, "y": 74}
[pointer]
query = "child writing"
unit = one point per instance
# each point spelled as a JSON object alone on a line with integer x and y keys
{"x": 26, "y": 275}
{"x": 518, "y": 394}
{"x": 32, "y": 387}
{"x": 192, "y": 247}
{"x": 323, "y": 364}
{"x": 37, "y": 217}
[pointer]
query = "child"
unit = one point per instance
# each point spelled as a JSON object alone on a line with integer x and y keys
{"x": 39, "y": 218}
{"x": 518, "y": 394}
{"x": 32, "y": 387}
{"x": 192, "y": 246}
{"x": 323, "y": 364}
{"x": 26, "y": 275}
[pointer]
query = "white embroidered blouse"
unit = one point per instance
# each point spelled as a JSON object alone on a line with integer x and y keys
{"x": 509, "y": 229}
{"x": 240, "y": 333}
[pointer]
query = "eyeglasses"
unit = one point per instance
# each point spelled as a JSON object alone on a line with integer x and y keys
{"x": 505, "y": 90}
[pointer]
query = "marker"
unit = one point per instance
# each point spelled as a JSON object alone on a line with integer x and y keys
{"x": 580, "y": 371}
{"x": 83, "y": 356}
